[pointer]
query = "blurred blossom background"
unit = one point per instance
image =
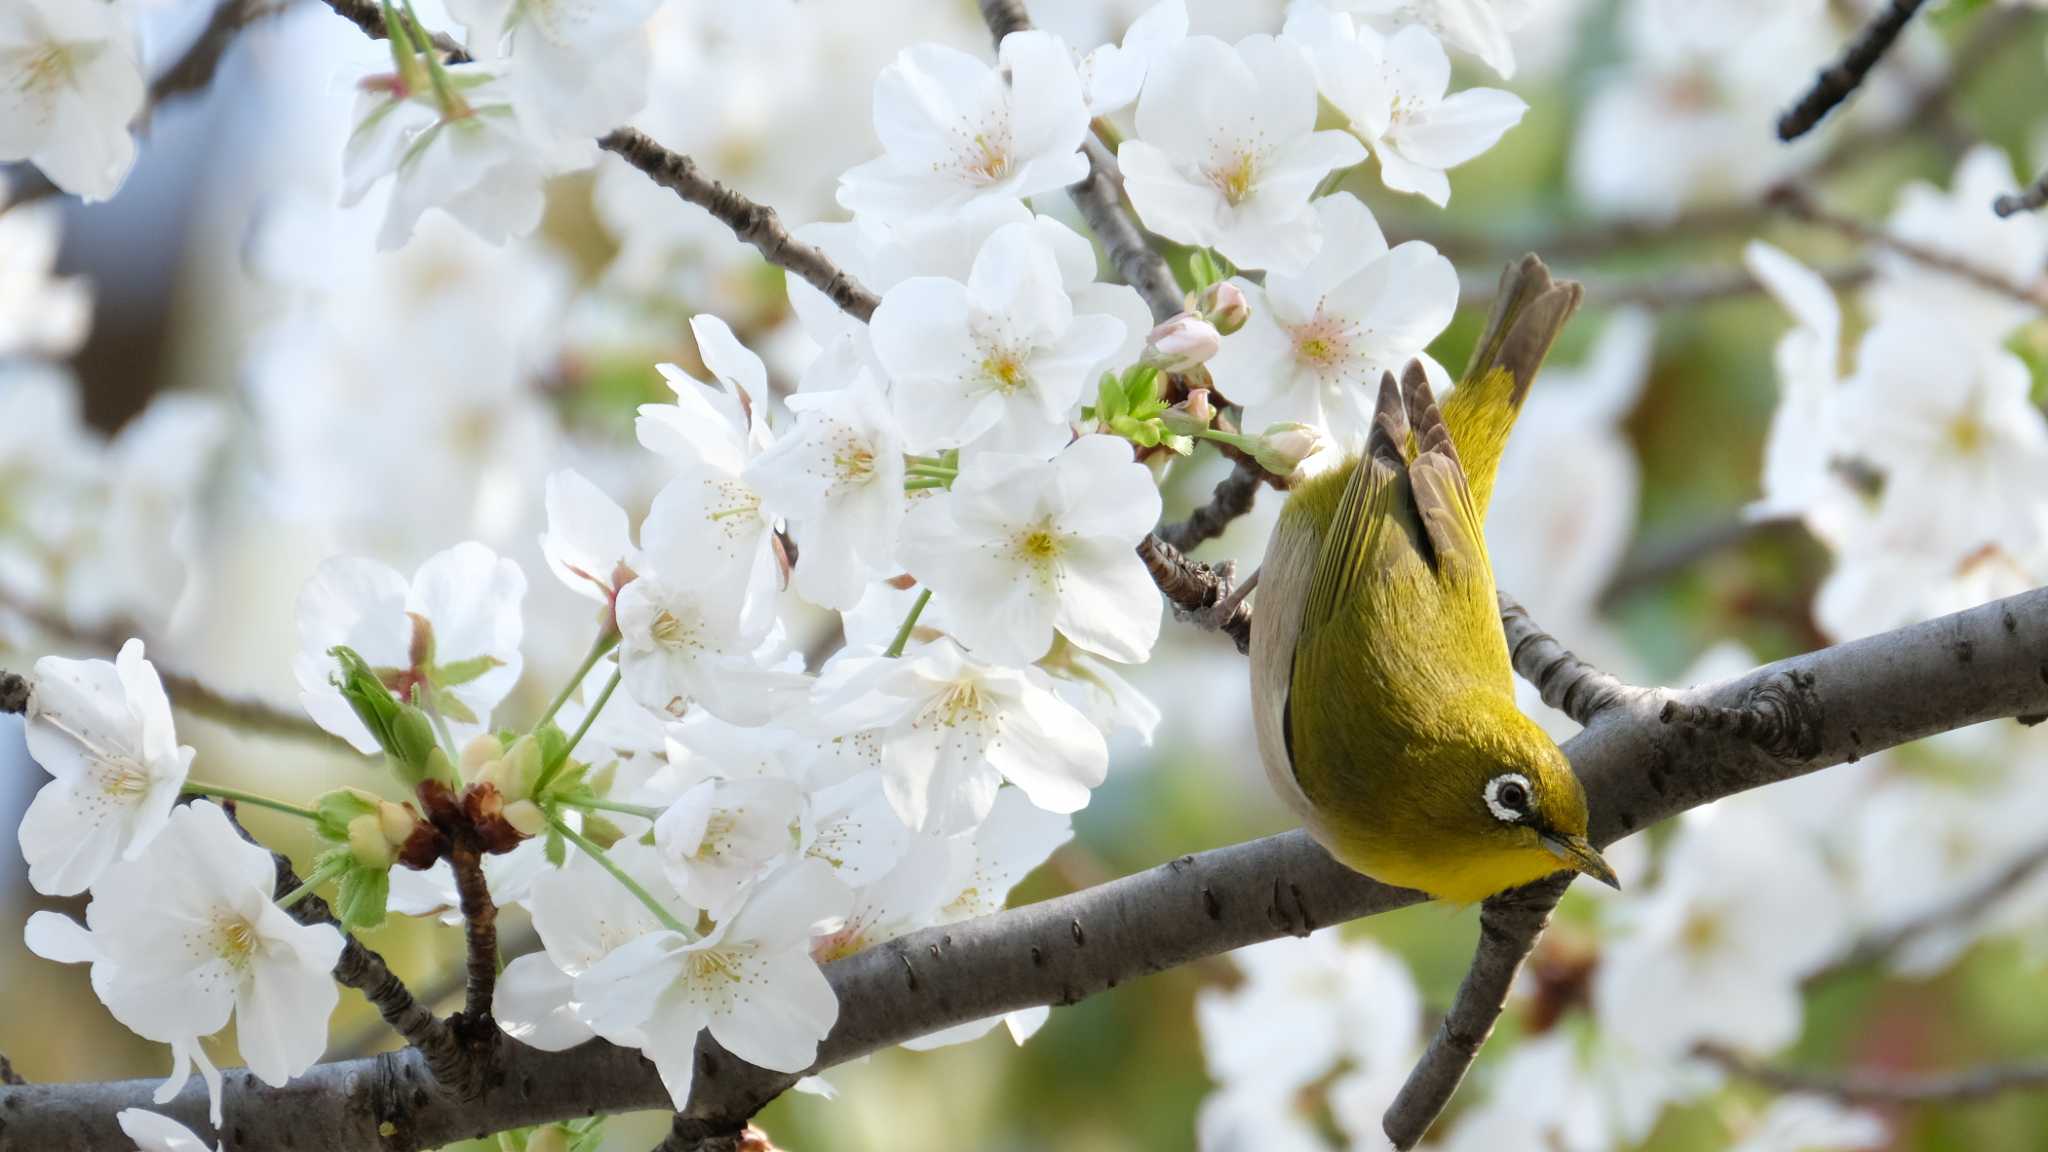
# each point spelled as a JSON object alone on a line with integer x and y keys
{"x": 1759, "y": 436}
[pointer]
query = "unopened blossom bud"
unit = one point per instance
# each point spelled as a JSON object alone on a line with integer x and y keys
{"x": 479, "y": 752}
{"x": 1182, "y": 342}
{"x": 1192, "y": 415}
{"x": 1224, "y": 306}
{"x": 1282, "y": 447}
{"x": 397, "y": 821}
{"x": 520, "y": 770}
{"x": 525, "y": 816}
{"x": 367, "y": 844}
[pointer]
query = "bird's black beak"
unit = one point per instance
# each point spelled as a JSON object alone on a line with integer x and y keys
{"x": 1580, "y": 856}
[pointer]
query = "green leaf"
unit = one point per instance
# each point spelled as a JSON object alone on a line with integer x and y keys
{"x": 556, "y": 850}
{"x": 601, "y": 831}
{"x": 462, "y": 671}
{"x": 453, "y": 708}
{"x": 1109, "y": 399}
{"x": 402, "y": 730}
{"x": 1140, "y": 388}
{"x": 362, "y": 897}
{"x": 337, "y": 808}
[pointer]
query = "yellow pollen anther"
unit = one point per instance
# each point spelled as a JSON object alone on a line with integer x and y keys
{"x": 1235, "y": 178}
{"x": 705, "y": 965}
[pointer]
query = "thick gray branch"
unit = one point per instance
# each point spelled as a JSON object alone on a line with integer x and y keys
{"x": 1846, "y": 701}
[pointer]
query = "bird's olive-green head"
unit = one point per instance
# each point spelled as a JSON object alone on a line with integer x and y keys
{"x": 1508, "y": 810}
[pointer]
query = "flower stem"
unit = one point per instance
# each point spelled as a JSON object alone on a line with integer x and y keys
{"x": 1241, "y": 443}
{"x": 909, "y": 622}
{"x": 223, "y": 792}
{"x": 667, "y": 918}
{"x": 644, "y": 811}
{"x": 590, "y": 716}
{"x": 605, "y": 642}
{"x": 924, "y": 484}
{"x": 931, "y": 471}
{"x": 424, "y": 697}
{"x": 321, "y": 875}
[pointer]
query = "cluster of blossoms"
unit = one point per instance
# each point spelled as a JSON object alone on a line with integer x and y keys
{"x": 1918, "y": 457}
{"x": 708, "y": 811}
{"x": 701, "y": 819}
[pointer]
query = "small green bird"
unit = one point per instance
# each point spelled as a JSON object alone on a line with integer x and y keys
{"x": 1382, "y": 689}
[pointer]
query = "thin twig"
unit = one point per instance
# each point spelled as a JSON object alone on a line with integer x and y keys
{"x": 186, "y": 692}
{"x": 1565, "y": 682}
{"x": 480, "y": 930}
{"x": 1232, "y": 498}
{"x": 1683, "y": 288}
{"x": 442, "y": 985}
{"x": 1659, "y": 560}
{"x": 1800, "y": 205}
{"x": 1839, "y": 80}
{"x": 752, "y": 222}
{"x": 1869, "y": 1086}
{"x": 2029, "y": 199}
{"x": 1994, "y": 32}
{"x": 1965, "y": 907}
{"x": 1508, "y": 927}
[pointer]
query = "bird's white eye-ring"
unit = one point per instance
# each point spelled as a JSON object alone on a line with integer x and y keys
{"x": 1507, "y": 797}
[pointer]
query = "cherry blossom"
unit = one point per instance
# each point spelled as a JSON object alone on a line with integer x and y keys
{"x": 186, "y": 936}
{"x": 1319, "y": 339}
{"x": 104, "y": 731}
{"x": 1227, "y": 154}
{"x": 70, "y": 83}
{"x": 1112, "y": 74}
{"x": 750, "y": 981}
{"x": 838, "y": 477}
{"x": 955, "y": 130}
{"x": 1021, "y": 548}
{"x": 451, "y": 635}
{"x": 1393, "y": 89}
{"x": 1004, "y": 358}
{"x": 581, "y": 69}
{"x": 952, "y": 730}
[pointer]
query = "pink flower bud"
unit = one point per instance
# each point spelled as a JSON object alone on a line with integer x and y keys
{"x": 1182, "y": 342}
{"x": 1224, "y": 306}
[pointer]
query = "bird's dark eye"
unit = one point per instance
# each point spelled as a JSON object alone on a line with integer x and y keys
{"x": 1507, "y": 797}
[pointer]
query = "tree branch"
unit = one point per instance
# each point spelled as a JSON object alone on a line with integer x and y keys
{"x": 1873, "y": 1087}
{"x": 1684, "y": 288}
{"x": 1508, "y": 927}
{"x": 1800, "y": 205}
{"x": 1965, "y": 907}
{"x": 2029, "y": 199}
{"x": 186, "y": 693}
{"x": 1232, "y": 498}
{"x": 752, "y": 222}
{"x": 1565, "y": 682}
{"x": 480, "y": 929}
{"x": 1855, "y": 699}
{"x": 1836, "y": 83}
